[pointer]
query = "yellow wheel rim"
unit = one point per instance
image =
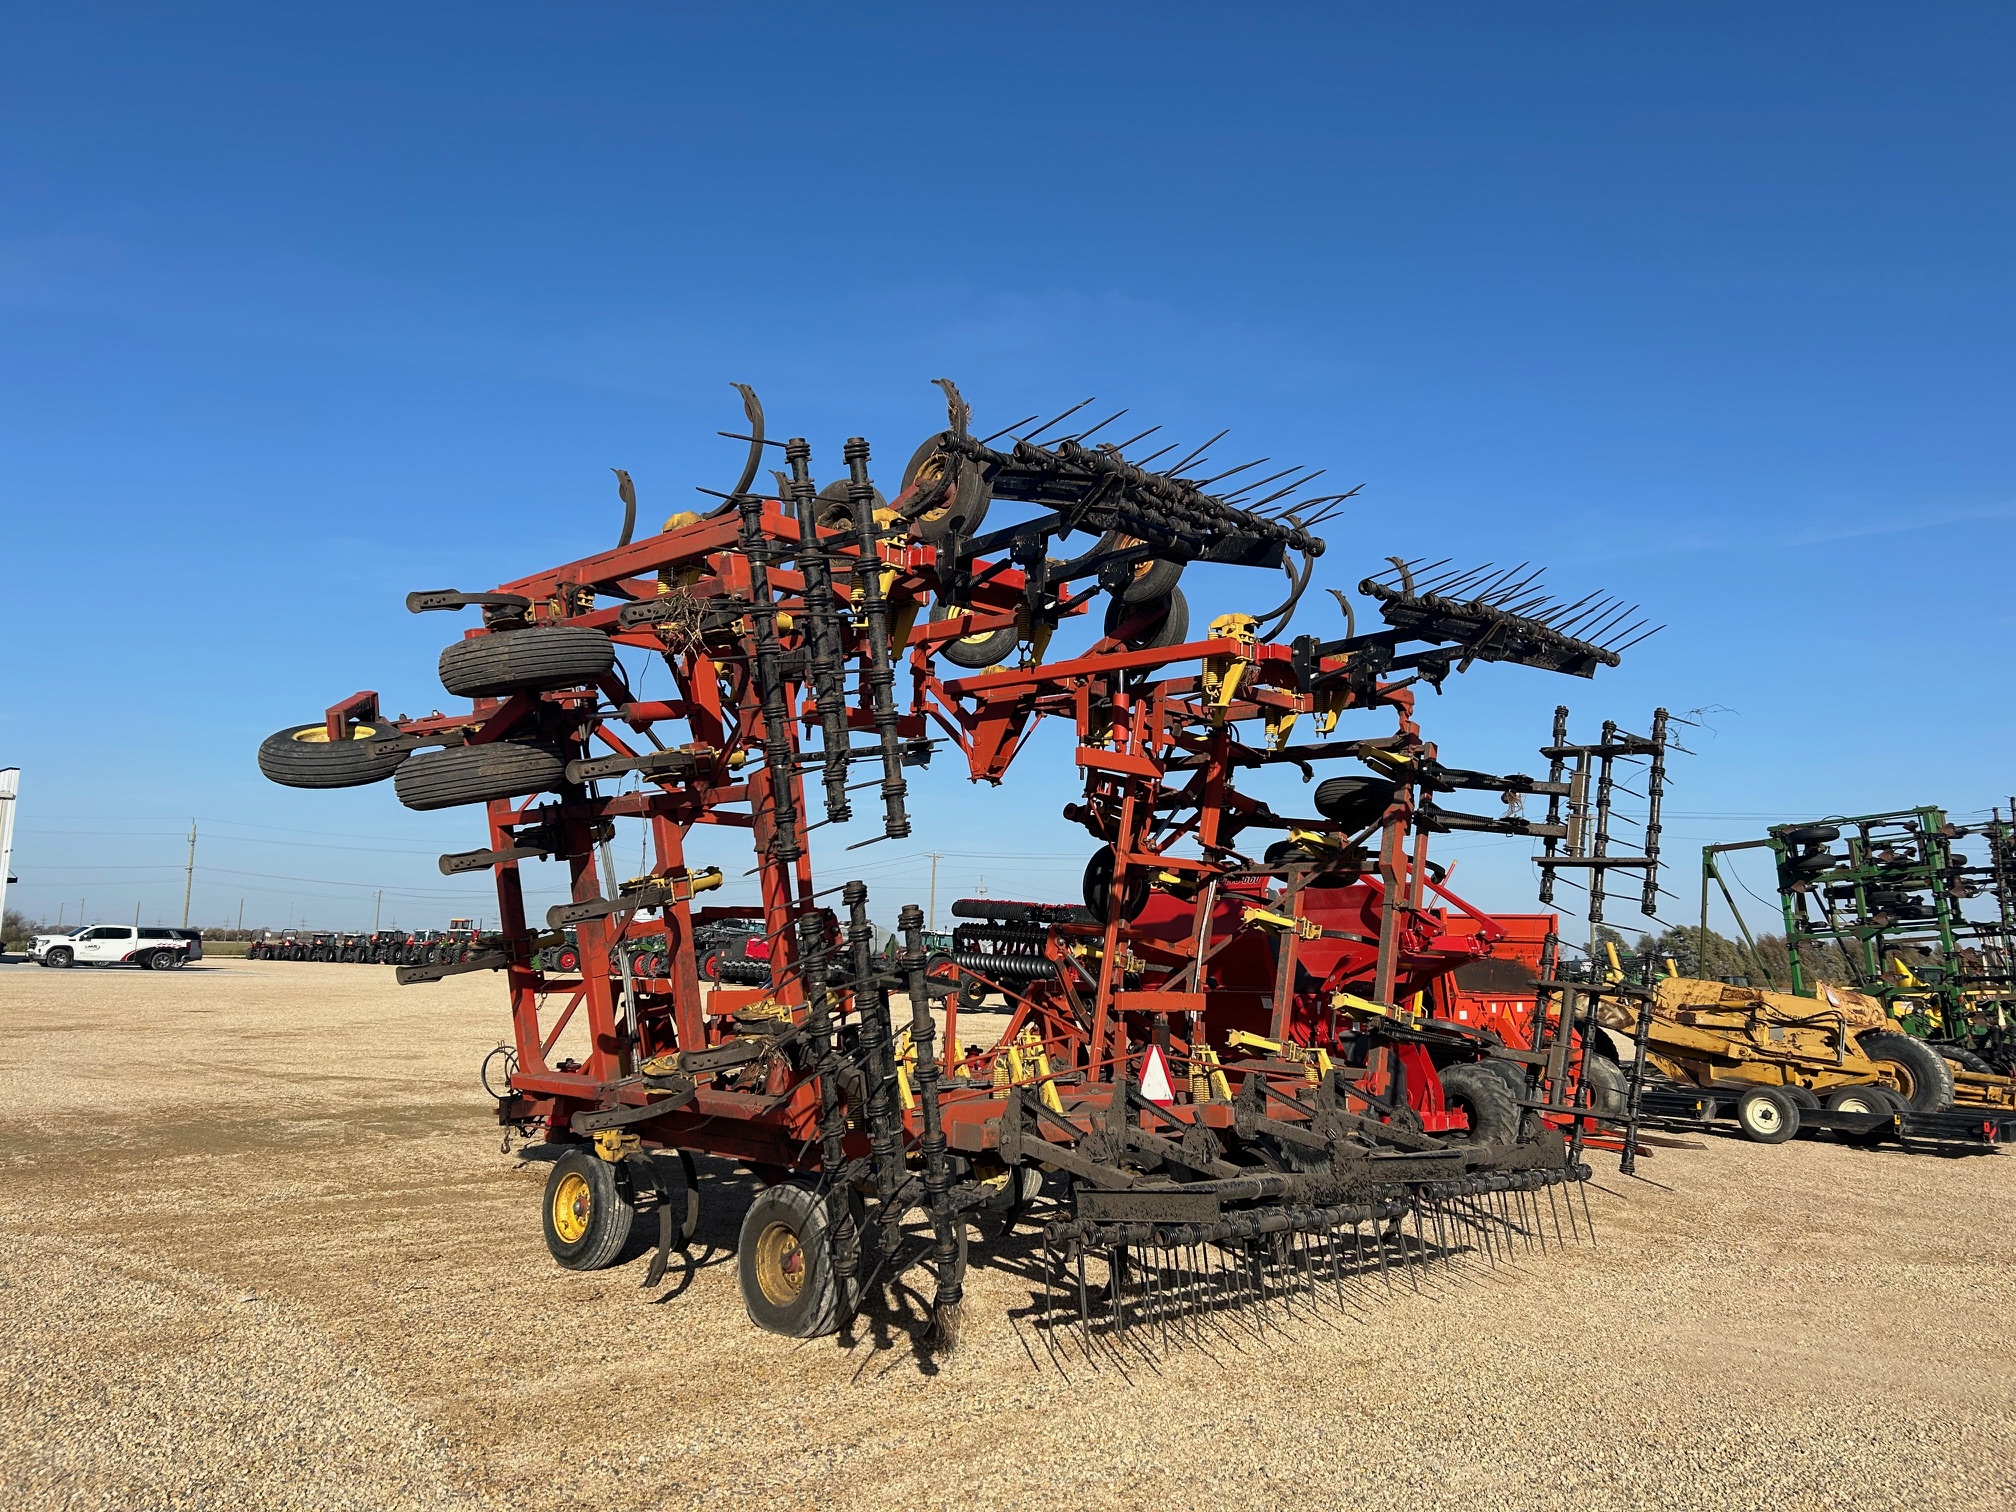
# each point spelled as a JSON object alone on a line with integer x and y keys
{"x": 780, "y": 1264}
{"x": 934, "y": 470}
{"x": 573, "y": 1207}
{"x": 319, "y": 734}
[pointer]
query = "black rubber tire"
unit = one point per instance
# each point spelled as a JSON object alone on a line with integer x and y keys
{"x": 1608, "y": 1090}
{"x": 476, "y": 774}
{"x": 1966, "y": 1060}
{"x": 155, "y": 960}
{"x": 531, "y": 660}
{"x": 976, "y": 651}
{"x": 965, "y": 510}
{"x": 301, "y": 756}
{"x": 1480, "y": 1092}
{"x": 598, "y": 1201}
{"x": 710, "y": 966}
{"x": 1806, "y": 1097}
{"x": 1098, "y": 887}
{"x": 1811, "y": 834}
{"x": 834, "y": 509}
{"x": 1356, "y": 803}
{"x": 568, "y": 960}
{"x": 1858, "y": 1100}
{"x": 1767, "y": 1115}
{"x": 1172, "y": 629}
{"x": 784, "y": 1264}
{"x": 1153, "y": 579}
{"x": 1811, "y": 865}
{"x": 1924, "y": 1070}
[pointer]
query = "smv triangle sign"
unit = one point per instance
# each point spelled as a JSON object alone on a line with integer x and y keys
{"x": 1155, "y": 1085}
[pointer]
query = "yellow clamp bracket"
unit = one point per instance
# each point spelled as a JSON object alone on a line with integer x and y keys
{"x": 1280, "y": 725}
{"x": 1616, "y": 972}
{"x": 1328, "y": 706}
{"x": 1314, "y": 1059}
{"x": 1904, "y": 973}
{"x": 1022, "y": 1061}
{"x": 906, "y": 1065}
{"x": 613, "y": 1144}
{"x": 1355, "y": 1004}
{"x": 1308, "y": 929}
{"x": 1223, "y": 674}
{"x": 1208, "y": 1082}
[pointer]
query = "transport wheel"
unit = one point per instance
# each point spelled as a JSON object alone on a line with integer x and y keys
{"x": 303, "y": 756}
{"x": 1806, "y": 1097}
{"x": 1966, "y": 1060}
{"x": 588, "y": 1214}
{"x": 965, "y": 503}
{"x": 1481, "y": 1095}
{"x": 526, "y": 661}
{"x": 785, "y": 1264}
{"x": 1150, "y": 580}
{"x": 61, "y": 956}
{"x": 568, "y": 960}
{"x": 1608, "y": 1090}
{"x": 1171, "y": 628}
{"x": 975, "y": 651}
{"x": 1810, "y": 834}
{"x": 1858, "y": 1100}
{"x": 1926, "y": 1077}
{"x": 710, "y": 966}
{"x": 1767, "y": 1115}
{"x": 833, "y": 508}
{"x": 1354, "y": 802}
{"x": 1098, "y": 887}
{"x": 476, "y": 774}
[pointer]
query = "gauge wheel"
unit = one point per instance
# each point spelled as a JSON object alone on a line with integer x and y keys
{"x": 587, "y": 1212}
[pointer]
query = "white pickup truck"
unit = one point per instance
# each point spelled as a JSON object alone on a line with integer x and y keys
{"x": 155, "y": 948}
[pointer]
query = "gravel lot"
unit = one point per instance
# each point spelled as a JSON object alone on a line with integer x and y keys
{"x": 262, "y": 1251}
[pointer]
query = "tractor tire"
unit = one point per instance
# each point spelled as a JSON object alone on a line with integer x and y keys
{"x": 1966, "y": 1060}
{"x": 965, "y": 505}
{"x": 302, "y": 756}
{"x": 477, "y": 774}
{"x": 531, "y": 660}
{"x": 1928, "y": 1080}
{"x": 975, "y": 652}
{"x": 1151, "y": 580}
{"x": 1172, "y": 629}
{"x": 1484, "y": 1099}
{"x": 1767, "y": 1115}
{"x": 587, "y": 1213}
{"x": 784, "y": 1262}
{"x": 1356, "y": 803}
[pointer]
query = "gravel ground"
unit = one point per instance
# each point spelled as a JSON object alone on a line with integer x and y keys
{"x": 262, "y": 1250}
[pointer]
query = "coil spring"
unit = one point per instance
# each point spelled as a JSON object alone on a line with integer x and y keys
{"x": 1026, "y": 968}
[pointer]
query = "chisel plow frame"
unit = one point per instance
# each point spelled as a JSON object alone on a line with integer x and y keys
{"x": 1229, "y": 1055}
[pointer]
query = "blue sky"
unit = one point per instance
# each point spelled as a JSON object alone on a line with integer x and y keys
{"x": 1706, "y": 304}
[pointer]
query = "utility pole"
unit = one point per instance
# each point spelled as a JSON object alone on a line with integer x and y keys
{"x": 931, "y": 913}
{"x": 377, "y": 908}
{"x": 189, "y": 874}
{"x": 241, "y": 915}
{"x": 10, "y": 787}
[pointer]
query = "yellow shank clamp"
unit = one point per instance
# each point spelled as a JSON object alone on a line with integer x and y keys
{"x": 1223, "y": 674}
{"x": 613, "y": 1144}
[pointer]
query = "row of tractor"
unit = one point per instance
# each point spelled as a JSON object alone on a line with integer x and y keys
{"x": 382, "y": 947}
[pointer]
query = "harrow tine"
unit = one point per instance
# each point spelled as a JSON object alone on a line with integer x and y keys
{"x": 1196, "y": 456}
{"x": 1032, "y": 435}
{"x": 1588, "y": 1222}
{"x": 1094, "y": 430}
{"x": 989, "y": 440}
{"x": 1118, "y": 447}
